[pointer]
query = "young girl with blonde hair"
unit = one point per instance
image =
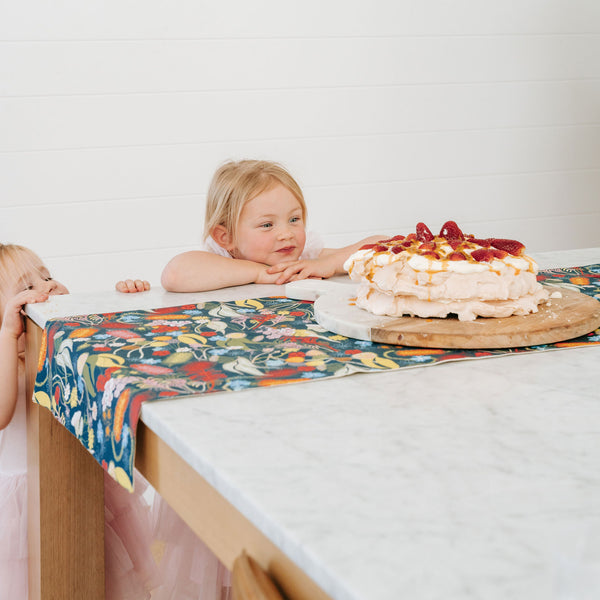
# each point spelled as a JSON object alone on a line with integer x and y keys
{"x": 134, "y": 525}
{"x": 254, "y": 232}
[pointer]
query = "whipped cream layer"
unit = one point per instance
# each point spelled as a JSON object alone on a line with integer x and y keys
{"x": 379, "y": 303}
{"x": 437, "y": 277}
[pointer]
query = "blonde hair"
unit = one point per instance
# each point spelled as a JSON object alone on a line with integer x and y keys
{"x": 15, "y": 262}
{"x": 235, "y": 183}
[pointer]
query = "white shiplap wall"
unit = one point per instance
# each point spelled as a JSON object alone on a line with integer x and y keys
{"x": 114, "y": 115}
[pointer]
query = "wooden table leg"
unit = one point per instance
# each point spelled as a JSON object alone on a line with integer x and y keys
{"x": 65, "y": 503}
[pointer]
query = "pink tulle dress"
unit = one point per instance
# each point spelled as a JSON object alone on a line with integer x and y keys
{"x": 150, "y": 553}
{"x": 13, "y": 505}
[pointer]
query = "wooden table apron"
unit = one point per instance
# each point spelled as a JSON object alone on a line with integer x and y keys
{"x": 66, "y": 508}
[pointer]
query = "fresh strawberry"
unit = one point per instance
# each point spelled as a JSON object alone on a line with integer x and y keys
{"x": 454, "y": 244}
{"x": 427, "y": 246}
{"x": 380, "y": 248}
{"x": 367, "y": 247}
{"x": 485, "y": 242}
{"x": 511, "y": 246}
{"x": 396, "y": 238}
{"x": 456, "y": 256}
{"x": 482, "y": 255}
{"x": 499, "y": 253}
{"x": 431, "y": 254}
{"x": 423, "y": 233}
{"x": 451, "y": 231}
{"x": 397, "y": 249}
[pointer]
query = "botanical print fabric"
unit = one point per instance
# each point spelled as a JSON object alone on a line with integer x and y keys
{"x": 96, "y": 370}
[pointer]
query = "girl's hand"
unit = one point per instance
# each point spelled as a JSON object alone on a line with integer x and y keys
{"x": 320, "y": 268}
{"x": 263, "y": 275}
{"x": 130, "y": 286}
{"x": 12, "y": 322}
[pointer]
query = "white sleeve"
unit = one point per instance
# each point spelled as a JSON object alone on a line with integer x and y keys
{"x": 312, "y": 246}
{"x": 211, "y": 246}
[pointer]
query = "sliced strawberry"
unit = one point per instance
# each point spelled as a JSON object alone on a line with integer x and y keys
{"x": 451, "y": 231}
{"x": 456, "y": 256}
{"x": 423, "y": 233}
{"x": 485, "y": 242}
{"x": 427, "y": 246}
{"x": 454, "y": 244}
{"x": 397, "y": 249}
{"x": 367, "y": 247}
{"x": 511, "y": 246}
{"x": 411, "y": 236}
{"x": 482, "y": 255}
{"x": 397, "y": 238}
{"x": 431, "y": 254}
{"x": 380, "y": 248}
{"x": 499, "y": 253}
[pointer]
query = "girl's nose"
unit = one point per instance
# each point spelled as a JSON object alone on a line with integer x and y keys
{"x": 51, "y": 285}
{"x": 285, "y": 233}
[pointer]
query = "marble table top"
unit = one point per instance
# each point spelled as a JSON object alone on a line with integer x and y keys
{"x": 473, "y": 479}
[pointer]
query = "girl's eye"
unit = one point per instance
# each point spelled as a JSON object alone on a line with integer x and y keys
{"x": 48, "y": 279}
{"x": 266, "y": 225}
{"x": 295, "y": 219}
{"x": 28, "y": 287}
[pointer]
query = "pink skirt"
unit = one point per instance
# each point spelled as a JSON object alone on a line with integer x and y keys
{"x": 151, "y": 553}
{"x": 13, "y": 535}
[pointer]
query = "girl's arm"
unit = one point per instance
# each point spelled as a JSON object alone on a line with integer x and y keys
{"x": 199, "y": 271}
{"x": 10, "y": 332}
{"x": 330, "y": 262}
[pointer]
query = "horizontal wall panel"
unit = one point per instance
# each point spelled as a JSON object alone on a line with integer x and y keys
{"x": 39, "y": 123}
{"x": 152, "y": 224}
{"x": 109, "y": 19}
{"x": 100, "y": 272}
{"x": 33, "y": 178}
{"x": 157, "y": 66}
{"x": 96, "y": 272}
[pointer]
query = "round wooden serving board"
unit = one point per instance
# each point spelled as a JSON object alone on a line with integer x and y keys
{"x": 572, "y": 315}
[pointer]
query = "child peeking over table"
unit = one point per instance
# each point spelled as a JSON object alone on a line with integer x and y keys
{"x": 254, "y": 232}
{"x": 149, "y": 550}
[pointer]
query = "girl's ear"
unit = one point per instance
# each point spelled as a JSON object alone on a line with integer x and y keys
{"x": 221, "y": 235}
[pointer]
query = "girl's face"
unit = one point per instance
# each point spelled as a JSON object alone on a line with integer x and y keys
{"x": 34, "y": 275}
{"x": 271, "y": 228}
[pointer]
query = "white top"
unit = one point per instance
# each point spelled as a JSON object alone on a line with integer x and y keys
{"x": 474, "y": 479}
{"x": 312, "y": 247}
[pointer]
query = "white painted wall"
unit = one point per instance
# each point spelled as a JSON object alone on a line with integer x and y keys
{"x": 114, "y": 115}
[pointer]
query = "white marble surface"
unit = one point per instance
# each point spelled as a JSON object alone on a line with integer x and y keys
{"x": 474, "y": 479}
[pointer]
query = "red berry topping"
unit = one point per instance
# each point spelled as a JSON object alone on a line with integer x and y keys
{"x": 511, "y": 246}
{"x": 498, "y": 253}
{"x": 397, "y": 238}
{"x": 380, "y": 248}
{"x": 454, "y": 244}
{"x": 423, "y": 233}
{"x": 427, "y": 246}
{"x": 482, "y": 255}
{"x": 431, "y": 254}
{"x": 485, "y": 242}
{"x": 456, "y": 256}
{"x": 410, "y": 237}
{"x": 397, "y": 249}
{"x": 367, "y": 247}
{"x": 451, "y": 231}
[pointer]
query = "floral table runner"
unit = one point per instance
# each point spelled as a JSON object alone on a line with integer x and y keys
{"x": 95, "y": 371}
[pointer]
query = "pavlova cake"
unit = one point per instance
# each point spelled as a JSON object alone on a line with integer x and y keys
{"x": 423, "y": 275}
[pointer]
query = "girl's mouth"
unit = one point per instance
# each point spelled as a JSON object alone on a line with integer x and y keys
{"x": 286, "y": 250}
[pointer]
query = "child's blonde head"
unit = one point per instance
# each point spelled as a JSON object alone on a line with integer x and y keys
{"x": 15, "y": 262}
{"x": 236, "y": 183}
